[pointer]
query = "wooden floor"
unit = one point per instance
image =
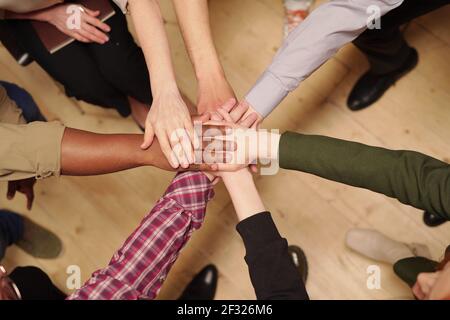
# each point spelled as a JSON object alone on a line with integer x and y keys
{"x": 94, "y": 215}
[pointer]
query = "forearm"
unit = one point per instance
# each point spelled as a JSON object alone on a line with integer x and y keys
{"x": 272, "y": 273}
{"x": 136, "y": 269}
{"x": 152, "y": 36}
{"x": 87, "y": 153}
{"x": 243, "y": 193}
{"x": 413, "y": 178}
{"x": 193, "y": 17}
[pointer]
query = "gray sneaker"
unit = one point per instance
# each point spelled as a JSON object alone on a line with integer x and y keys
{"x": 39, "y": 241}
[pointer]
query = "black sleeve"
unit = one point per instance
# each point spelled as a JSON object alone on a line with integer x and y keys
{"x": 272, "y": 272}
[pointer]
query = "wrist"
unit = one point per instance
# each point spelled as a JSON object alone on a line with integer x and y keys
{"x": 44, "y": 15}
{"x": 165, "y": 91}
{"x": 209, "y": 73}
{"x": 268, "y": 145}
{"x": 243, "y": 193}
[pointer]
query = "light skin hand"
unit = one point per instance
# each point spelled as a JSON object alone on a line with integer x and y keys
{"x": 243, "y": 192}
{"x": 236, "y": 116}
{"x": 433, "y": 285}
{"x": 91, "y": 28}
{"x": 170, "y": 121}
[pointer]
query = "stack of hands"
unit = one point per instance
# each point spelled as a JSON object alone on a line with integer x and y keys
{"x": 227, "y": 139}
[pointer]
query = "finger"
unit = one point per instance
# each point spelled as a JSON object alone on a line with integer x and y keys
{"x": 97, "y": 23}
{"x": 228, "y": 105}
{"x": 249, "y": 120}
{"x": 237, "y": 113}
{"x": 80, "y": 38}
{"x": 29, "y": 193}
{"x": 226, "y": 116}
{"x": 96, "y": 32}
{"x": 186, "y": 146}
{"x": 253, "y": 168}
{"x": 210, "y": 131}
{"x": 149, "y": 135}
{"x": 87, "y": 32}
{"x": 12, "y": 188}
{"x": 166, "y": 149}
{"x": 201, "y": 167}
{"x": 91, "y": 12}
{"x": 193, "y": 136}
{"x": 256, "y": 124}
{"x": 216, "y": 116}
{"x": 213, "y": 157}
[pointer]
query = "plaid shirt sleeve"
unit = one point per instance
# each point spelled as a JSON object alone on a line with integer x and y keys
{"x": 138, "y": 269}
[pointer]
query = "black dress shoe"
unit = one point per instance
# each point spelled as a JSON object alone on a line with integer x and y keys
{"x": 203, "y": 286}
{"x": 299, "y": 259}
{"x": 433, "y": 220}
{"x": 371, "y": 87}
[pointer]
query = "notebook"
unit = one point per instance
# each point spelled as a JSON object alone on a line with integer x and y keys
{"x": 55, "y": 40}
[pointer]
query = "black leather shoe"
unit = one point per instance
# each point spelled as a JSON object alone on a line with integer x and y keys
{"x": 371, "y": 87}
{"x": 433, "y": 220}
{"x": 203, "y": 286}
{"x": 299, "y": 259}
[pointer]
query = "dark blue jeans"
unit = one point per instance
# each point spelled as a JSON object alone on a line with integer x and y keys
{"x": 24, "y": 101}
{"x": 11, "y": 230}
{"x": 11, "y": 224}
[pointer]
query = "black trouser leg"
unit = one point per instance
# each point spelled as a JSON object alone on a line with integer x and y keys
{"x": 76, "y": 68}
{"x": 385, "y": 48}
{"x": 122, "y": 62}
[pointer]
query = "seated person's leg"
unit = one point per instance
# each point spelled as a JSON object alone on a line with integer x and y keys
{"x": 122, "y": 62}
{"x": 74, "y": 68}
{"x": 11, "y": 230}
{"x": 27, "y": 235}
{"x": 24, "y": 101}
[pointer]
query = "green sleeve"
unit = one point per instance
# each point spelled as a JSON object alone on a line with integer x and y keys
{"x": 411, "y": 177}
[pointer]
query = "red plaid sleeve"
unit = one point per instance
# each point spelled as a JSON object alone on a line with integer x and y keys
{"x": 138, "y": 269}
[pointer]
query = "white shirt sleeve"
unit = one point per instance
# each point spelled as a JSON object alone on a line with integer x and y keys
{"x": 312, "y": 43}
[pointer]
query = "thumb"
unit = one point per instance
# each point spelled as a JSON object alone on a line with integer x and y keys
{"x": 148, "y": 137}
{"x": 229, "y": 104}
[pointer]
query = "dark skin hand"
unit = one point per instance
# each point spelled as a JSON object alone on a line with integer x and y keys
{"x": 24, "y": 186}
{"x": 85, "y": 153}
